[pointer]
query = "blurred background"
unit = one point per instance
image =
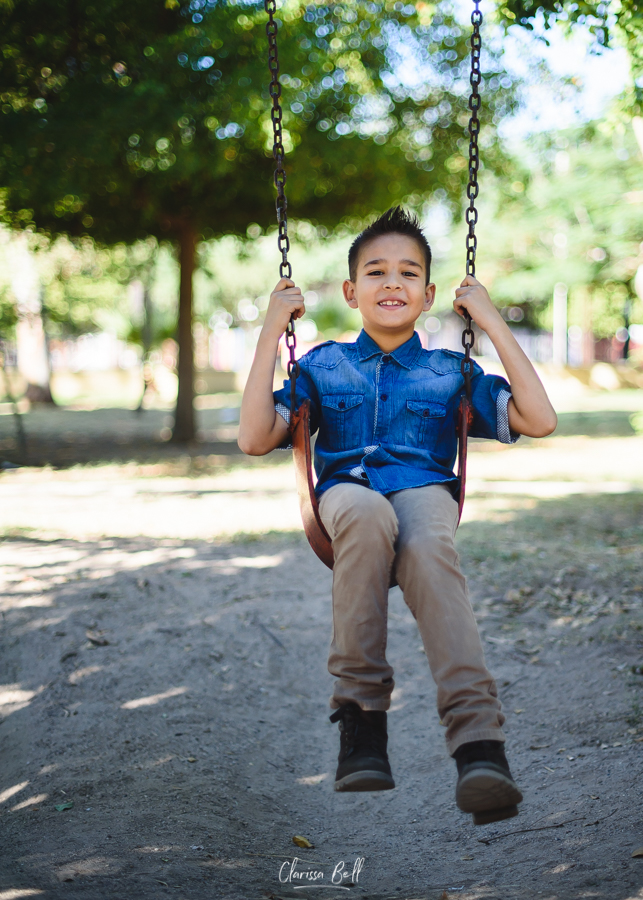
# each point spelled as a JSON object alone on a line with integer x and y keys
{"x": 138, "y": 244}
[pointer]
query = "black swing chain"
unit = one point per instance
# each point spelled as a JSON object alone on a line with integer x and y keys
{"x": 471, "y": 214}
{"x": 281, "y": 203}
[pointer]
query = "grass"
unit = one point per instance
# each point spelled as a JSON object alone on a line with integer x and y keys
{"x": 579, "y": 558}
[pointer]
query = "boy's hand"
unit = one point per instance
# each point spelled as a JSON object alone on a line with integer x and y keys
{"x": 285, "y": 301}
{"x": 473, "y": 297}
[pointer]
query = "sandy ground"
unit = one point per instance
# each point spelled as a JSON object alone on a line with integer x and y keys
{"x": 164, "y": 692}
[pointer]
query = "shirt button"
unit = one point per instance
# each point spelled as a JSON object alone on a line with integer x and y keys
{"x": 341, "y": 404}
{"x": 425, "y": 413}
{"x": 384, "y": 396}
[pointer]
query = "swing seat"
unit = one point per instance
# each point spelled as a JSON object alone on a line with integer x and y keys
{"x": 314, "y": 529}
{"x": 318, "y": 537}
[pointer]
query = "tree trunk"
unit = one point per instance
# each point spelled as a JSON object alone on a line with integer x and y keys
{"x": 184, "y": 430}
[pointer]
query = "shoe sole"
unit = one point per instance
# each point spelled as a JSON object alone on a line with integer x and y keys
{"x": 494, "y": 815}
{"x": 485, "y": 793}
{"x": 367, "y": 780}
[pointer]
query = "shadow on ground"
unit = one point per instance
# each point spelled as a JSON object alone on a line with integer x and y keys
{"x": 64, "y": 437}
{"x": 165, "y": 727}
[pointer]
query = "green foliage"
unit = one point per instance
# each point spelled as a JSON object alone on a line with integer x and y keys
{"x": 126, "y": 120}
{"x": 610, "y": 22}
{"x": 8, "y": 317}
{"x": 570, "y": 210}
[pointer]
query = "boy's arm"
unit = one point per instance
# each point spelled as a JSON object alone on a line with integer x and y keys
{"x": 261, "y": 429}
{"x": 529, "y": 409}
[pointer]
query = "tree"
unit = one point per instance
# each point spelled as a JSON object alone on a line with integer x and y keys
{"x": 126, "y": 120}
{"x": 570, "y": 210}
{"x": 610, "y": 21}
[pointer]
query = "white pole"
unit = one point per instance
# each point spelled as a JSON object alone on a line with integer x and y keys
{"x": 560, "y": 325}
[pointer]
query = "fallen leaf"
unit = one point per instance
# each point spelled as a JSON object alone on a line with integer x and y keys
{"x": 60, "y": 807}
{"x": 539, "y": 746}
{"x": 518, "y": 711}
{"x": 301, "y": 841}
{"x": 164, "y": 883}
{"x": 96, "y": 638}
{"x": 592, "y": 797}
{"x": 191, "y": 758}
{"x": 466, "y": 857}
{"x": 548, "y": 769}
{"x": 637, "y": 853}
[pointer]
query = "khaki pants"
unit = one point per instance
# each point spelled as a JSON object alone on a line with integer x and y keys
{"x": 410, "y": 531}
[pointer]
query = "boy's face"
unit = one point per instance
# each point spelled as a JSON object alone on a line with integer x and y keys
{"x": 390, "y": 288}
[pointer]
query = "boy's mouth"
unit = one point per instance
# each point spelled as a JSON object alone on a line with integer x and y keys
{"x": 392, "y": 303}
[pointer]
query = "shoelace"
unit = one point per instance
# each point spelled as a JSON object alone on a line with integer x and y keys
{"x": 358, "y": 732}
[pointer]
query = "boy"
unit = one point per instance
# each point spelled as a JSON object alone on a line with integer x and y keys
{"x": 386, "y": 413}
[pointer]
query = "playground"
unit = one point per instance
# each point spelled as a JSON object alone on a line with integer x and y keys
{"x": 164, "y": 717}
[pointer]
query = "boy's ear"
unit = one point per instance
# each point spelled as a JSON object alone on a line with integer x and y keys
{"x": 348, "y": 288}
{"x": 429, "y": 297}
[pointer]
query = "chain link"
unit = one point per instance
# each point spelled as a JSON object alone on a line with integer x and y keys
{"x": 471, "y": 214}
{"x": 281, "y": 203}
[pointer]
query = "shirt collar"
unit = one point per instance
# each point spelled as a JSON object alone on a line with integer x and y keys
{"x": 406, "y": 355}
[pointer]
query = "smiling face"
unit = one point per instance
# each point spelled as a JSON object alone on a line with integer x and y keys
{"x": 390, "y": 289}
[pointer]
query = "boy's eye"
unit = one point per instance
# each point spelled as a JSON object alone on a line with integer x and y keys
{"x": 412, "y": 274}
{"x": 375, "y": 272}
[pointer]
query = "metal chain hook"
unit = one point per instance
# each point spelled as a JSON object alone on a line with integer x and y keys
{"x": 281, "y": 203}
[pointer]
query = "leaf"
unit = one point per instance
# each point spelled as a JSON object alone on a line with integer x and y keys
{"x": 191, "y": 758}
{"x": 637, "y": 853}
{"x": 96, "y": 638}
{"x": 301, "y": 841}
{"x": 467, "y": 857}
{"x": 61, "y": 807}
{"x": 518, "y": 711}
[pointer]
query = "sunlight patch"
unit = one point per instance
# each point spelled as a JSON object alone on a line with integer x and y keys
{"x": 13, "y": 698}
{"x": 9, "y": 792}
{"x": 251, "y": 562}
{"x": 93, "y": 866}
{"x": 31, "y": 801}
{"x": 76, "y": 676}
{"x": 153, "y": 699}
{"x": 312, "y": 779}
{"x": 17, "y": 893}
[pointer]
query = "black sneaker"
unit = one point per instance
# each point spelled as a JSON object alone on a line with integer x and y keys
{"x": 485, "y": 786}
{"x": 363, "y": 762}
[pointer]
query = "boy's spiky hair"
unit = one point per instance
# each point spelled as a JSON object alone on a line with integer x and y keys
{"x": 394, "y": 221}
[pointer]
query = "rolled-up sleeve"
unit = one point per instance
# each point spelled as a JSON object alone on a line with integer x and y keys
{"x": 490, "y": 395}
{"x": 305, "y": 390}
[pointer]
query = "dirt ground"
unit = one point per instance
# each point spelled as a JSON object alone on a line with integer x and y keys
{"x": 164, "y": 692}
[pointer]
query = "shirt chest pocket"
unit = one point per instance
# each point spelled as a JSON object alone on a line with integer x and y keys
{"x": 424, "y": 421}
{"x": 341, "y": 415}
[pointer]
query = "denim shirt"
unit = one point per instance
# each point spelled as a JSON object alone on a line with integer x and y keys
{"x": 388, "y": 420}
